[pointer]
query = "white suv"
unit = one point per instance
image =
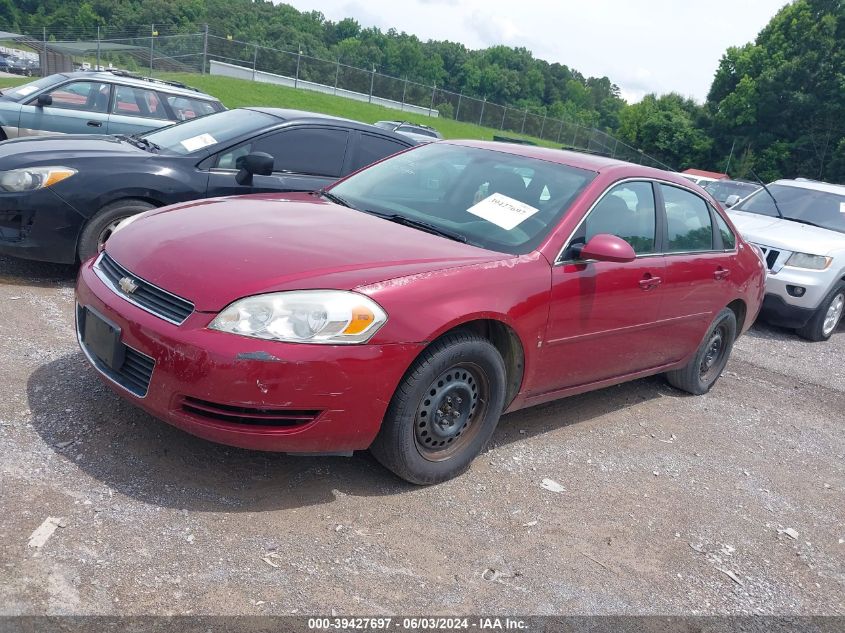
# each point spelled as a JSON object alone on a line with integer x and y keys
{"x": 802, "y": 236}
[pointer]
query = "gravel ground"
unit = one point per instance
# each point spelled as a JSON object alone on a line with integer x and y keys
{"x": 730, "y": 503}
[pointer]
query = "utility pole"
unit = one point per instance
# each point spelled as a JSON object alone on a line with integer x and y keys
{"x": 431, "y": 106}
{"x": 336, "y": 75}
{"x": 404, "y": 91}
{"x": 525, "y": 116}
{"x": 254, "y": 61}
{"x": 46, "y": 63}
{"x": 504, "y": 114}
{"x": 372, "y": 82}
{"x": 730, "y": 156}
{"x": 152, "y": 39}
{"x": 98, "y": 47}
{"x": 481, "y": 116}
{"x": 298, "y": 59}
{"x": 205, "y": 48}
{"x": 458, "y": 111}
{"x": 543, "y": 127}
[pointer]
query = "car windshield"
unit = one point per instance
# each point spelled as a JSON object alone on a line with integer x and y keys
{"x": 820, "y": 208}
{"x": 496, "y": 200}
{"x": 722, "y": 190}
{"x": 18, "y": 93}
{"x": 196, "y": 134}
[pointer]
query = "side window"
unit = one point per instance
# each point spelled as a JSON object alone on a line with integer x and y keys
{"x": 626, "y": 211}
{"x": 688, "y": 221}
{"x": 728, "y": 237}
{"x": 138, "y": 102}
{"x": 187, "y": 108}
{"x": 92, "y": 96}
{"x": 315, "y": 151}
{"x": 372, "y": 148}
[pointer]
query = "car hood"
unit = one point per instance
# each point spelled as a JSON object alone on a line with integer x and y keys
{"x": 44, "y": 150}
{"x": 787, "y": 235}
{"x": 215, "y": 251}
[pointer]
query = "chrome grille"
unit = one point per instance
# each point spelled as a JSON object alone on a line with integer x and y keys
{"x": 771, "y": 255}
{"x": 143, "y": 294}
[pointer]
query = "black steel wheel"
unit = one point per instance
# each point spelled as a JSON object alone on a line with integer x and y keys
{"x": 701, "y": 373}
{"x": 444, "y": 410}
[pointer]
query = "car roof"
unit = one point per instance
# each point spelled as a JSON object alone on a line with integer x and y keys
{"x": 303, "y": 116}
{"x": 815, "y": 185}
{"x": 128, "y": 79}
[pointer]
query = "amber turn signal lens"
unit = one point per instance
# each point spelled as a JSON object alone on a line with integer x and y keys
{"x": 362, "y": 318}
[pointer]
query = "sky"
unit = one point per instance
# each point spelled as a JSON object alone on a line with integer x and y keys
{"x": 642, "y": 46}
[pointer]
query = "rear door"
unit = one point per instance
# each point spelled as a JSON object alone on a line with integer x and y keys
{"x": 306, "y": 158}
{"x": 369, "y": 148}
{"x": 699, "y": 258}
{"x": 604, "y": 316}
{"x": 78, "y": 107}
{"x": 135, "y": 110}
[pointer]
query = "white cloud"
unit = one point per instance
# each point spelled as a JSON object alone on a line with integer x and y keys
{"x": 644, "y": 46}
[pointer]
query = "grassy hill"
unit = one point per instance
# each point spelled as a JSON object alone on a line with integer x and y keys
{"x": 234, "y": 93}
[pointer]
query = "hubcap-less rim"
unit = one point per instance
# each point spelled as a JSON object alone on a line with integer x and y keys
{"x": 834, "y": 314}
{"x": 714, "y": 354}
{"x": 450, "y": 414}
{"x": 105, "y": 234}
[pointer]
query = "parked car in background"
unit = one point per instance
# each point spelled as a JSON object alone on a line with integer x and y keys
{"x": 98, "y": 103}
{"x": 28, "y": 67}
{"x": 417, "y": 131}
{"x": 61, "y": 196}
{"x": 800, "y": 226}
{"x": 729, "y": 192}
{"x": 406, "y": 307}
{"x": 702, "y": 177}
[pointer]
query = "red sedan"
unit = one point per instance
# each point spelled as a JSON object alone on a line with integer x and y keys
{"x": 407, "y": 307}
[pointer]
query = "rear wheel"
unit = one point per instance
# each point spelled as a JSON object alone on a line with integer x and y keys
{"x": 826, "y": 318}
{"x": 702, "y": 372}
{"x": 444, "y": 411}
{"x": 100, "y": 227}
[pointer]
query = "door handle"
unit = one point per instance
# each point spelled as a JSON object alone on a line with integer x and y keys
{"x": 94, "y": 124}
{"x": 721, "y": 273}
{"x": 648, "y": 282}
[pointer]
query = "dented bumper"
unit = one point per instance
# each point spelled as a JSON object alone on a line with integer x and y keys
{"x": 246, "y": 392}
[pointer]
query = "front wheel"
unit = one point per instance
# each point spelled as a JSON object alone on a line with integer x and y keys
{"x": 444, "y": 410}
{"x": 100, "y": 227}
{"x": 702, "y": 372}
{"x": 822, "y": 324}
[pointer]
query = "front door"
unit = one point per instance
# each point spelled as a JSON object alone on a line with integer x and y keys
{"x": 603, "y": 316}
{"x": 78, "y": 107}
{"x": 305, "y": 159}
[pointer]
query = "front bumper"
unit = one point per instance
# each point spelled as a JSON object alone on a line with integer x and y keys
{"x": 778, "y": 312}
{"x": 39, "y": 225}
{"x": 220, "y": 386}
{"x": 816, "y": 284}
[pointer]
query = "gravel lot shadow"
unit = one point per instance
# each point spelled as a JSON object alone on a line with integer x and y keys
{"x": 22, "y": 272}
{"x": 134, "y": 454}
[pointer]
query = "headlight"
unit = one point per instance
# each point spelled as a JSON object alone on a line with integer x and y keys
{"x": 304, "y": 316}
{"x": 811, "y": 262}
{"x": 33, "y": 178}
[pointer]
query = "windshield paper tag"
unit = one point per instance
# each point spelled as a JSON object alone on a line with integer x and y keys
{"x": 198, "y": 142}
{"x": 503, "y": 211}
{"x": 842, "y": 207}
{"x": 26, "y": 90}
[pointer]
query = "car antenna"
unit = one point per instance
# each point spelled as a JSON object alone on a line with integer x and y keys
{"x": 762, "y": 184}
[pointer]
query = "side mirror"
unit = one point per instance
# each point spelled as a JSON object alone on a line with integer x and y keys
{"x": 731, "y": 200}
{"x": 607, "y": 248}
{"x": 259, "y": 163}
{"x": 44, "y": 100}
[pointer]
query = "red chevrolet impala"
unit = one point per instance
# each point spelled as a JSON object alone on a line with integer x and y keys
{"x": 407, "y": 307}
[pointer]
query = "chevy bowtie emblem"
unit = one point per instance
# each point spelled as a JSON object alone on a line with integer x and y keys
{"x": 128, "y": 285}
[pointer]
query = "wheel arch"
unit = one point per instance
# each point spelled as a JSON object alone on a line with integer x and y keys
{"x": 503, "y": 337}
{"x": 740, "y": 310}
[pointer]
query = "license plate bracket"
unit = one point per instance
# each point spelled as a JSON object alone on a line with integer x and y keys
{"x": 102, "y": 338}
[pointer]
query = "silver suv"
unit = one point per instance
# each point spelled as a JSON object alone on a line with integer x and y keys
{"x": 800, "y": 226}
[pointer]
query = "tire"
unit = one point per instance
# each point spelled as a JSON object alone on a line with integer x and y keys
{"x": 444, "y": 411}
{"x": 827, "y": 316}
{"x": 702, "y": 372}
{"x": 99, "y": 227}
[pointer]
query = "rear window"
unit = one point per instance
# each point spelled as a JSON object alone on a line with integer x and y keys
{"x": 189, "y": 108}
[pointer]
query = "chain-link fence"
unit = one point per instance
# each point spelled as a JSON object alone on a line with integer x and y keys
{"x": 149, "y": 49}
